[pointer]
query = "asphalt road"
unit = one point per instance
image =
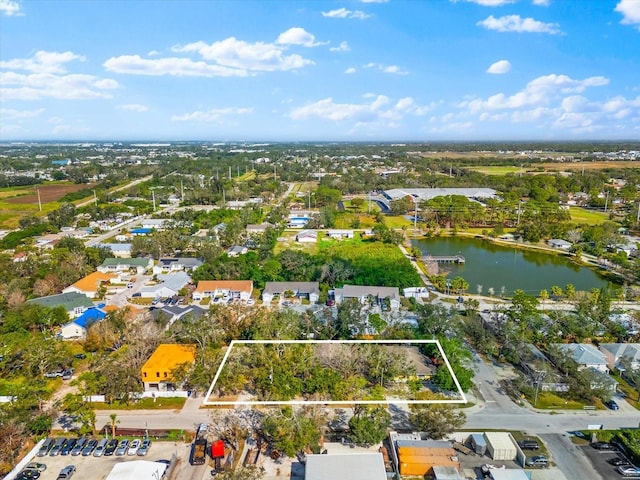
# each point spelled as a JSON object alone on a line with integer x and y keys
{"x": 569, "y": 458}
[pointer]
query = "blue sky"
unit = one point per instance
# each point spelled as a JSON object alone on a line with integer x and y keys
{"x": 369, "y": 70}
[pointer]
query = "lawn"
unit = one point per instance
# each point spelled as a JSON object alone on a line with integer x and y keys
{"x": 548, "y": 400}
{"x": 496, "y": 169}
{"x": 397, "y": 221}
{"x": 143, "y": 404}
{"x": 588, "y": 217}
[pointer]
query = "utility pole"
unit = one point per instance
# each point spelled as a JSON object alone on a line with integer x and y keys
{"x": 638, "y": 215}
{"x": 275, "y": 177}
{"x": 415, "y": 217}
{"x": 229, "y": 172}
{"x": 39, "y": 201}
{"x": 519, "y": 210}
{"x": 182, "y": 190}
{"x": 95, "y": 198}
{"x": 309, "y": 192}
{"x": 153, "y": 196}
{"x": 606, "y": 202}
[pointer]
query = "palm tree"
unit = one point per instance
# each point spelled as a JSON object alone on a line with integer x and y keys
{"x": 114, "y": 421}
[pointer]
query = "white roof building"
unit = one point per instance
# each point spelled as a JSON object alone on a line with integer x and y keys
{"x": 423, "y": 194}
{"x": 137, "y": 470}
{"x": 356, "y": 466}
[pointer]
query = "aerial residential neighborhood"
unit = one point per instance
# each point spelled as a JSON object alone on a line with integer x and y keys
{"x": 136, "y": 323}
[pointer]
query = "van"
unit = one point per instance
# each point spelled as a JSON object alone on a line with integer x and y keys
{"x": 99, "y": 451}
{"x": 45, "y": 447}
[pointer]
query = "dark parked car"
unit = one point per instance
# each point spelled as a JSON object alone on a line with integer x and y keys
{"x": 618, "y": 461}
{"x": 603, "y": 446}
{"x": 68, "y": 446}
{"x": 611, "y": 405}
{"x": 28, "y": 475}
{"x": 80, "y": 356}
{"x": 529, "y": 445}
{"x": 111, "y": 447}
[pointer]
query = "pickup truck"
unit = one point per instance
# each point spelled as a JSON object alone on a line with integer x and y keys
{"x": 199, "y": 451}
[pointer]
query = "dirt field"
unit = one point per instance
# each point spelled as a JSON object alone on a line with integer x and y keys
{"x": 48, "y": 193}
{"x": 588, "y": 165}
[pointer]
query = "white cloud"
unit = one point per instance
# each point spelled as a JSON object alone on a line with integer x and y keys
{"x": 10, "y": 114}
{"x": 42, "y": 62}
{"x": 297, "y": 36}
{"x": 343, "y": 47}
{"x": 542, "y": 3}
{"x": 213, "y": 115}
{"x": 179, "y": 67}
{"x": 153, "y": 53}
{"x": 540, "y": 91}
{"x": 234, "y": 53}
{"x": 500, "y": 67}
{"x": 515, "y": 23}
{"x": 10, "y": 8}
{"x": 134, "y": 107}
{"x": 344, "y": 13}
{"x": 55, "y": 120}
{"x": 379, "y": 110}
{"x": 350, "y": 70}
{"x": 630, "y": 10}
{"x": 374, "y": 1}
{"x": 50, "y": 79}
{"x": 386, "y": 68}
{"x": 488, "y": 3}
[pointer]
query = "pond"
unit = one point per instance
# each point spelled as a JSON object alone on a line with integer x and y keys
{"x": 505, "y": 269}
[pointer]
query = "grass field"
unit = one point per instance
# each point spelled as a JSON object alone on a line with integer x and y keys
{"x": 547, "y": 400}
{"x": 17, "y": 202}
{"x": 587, "y": 217}
{"x": 497, "y": 169}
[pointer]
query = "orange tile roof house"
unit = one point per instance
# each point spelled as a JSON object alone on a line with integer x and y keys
{"x": 241, "y": 289}
{"x": 157, "y": 374}
{"x": 90, "y": 284}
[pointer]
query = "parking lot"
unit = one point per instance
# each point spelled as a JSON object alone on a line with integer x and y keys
{"x": 97, "y": 468}
{"x": 600, "y": 458}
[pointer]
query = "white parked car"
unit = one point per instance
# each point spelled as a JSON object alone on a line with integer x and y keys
{"x": 133, "y": 447}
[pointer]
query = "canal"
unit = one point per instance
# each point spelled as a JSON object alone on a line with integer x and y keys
{"x": 505, "y": 269}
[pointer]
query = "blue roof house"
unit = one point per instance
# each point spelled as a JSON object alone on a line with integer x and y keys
{"x": 77, "y": 329}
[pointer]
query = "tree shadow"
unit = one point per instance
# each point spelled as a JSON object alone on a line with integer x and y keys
{"x": 400, "y": 419}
